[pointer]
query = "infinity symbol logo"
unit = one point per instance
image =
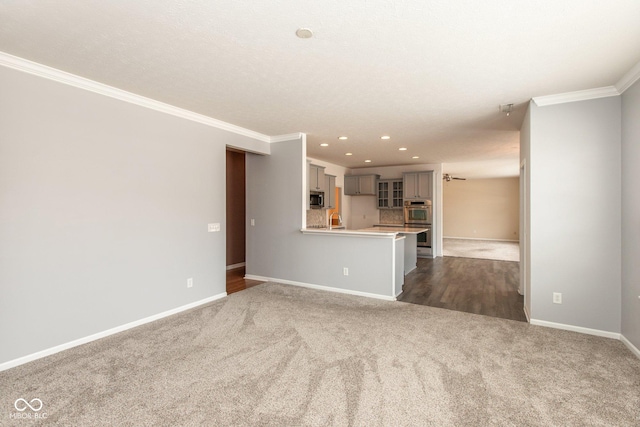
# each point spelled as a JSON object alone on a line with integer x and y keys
{"x": 36, "y": 407}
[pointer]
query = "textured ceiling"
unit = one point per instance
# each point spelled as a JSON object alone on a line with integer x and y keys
{"x": 430, "y": 74}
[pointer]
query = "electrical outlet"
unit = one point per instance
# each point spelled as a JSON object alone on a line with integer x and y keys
{"x": 557, "y": 298}
{"x": 253, "y": 222}
{"x": 345, "y": 271}
{"x": 190, "y": 282}
{"x": 213, "y": 227}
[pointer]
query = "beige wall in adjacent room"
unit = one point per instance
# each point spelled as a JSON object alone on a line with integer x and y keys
{"x": 481, "y": 208}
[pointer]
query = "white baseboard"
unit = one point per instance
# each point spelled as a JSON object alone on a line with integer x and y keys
{"x": 43, "y": 353}
{"x": 238, "y": 265}
{"x": 481, "y": 238}
{"x": 319, "y": 287}
{"x": 630, "y": 346}
{"x": 579, "y": 329}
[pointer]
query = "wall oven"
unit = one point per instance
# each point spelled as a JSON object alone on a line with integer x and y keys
{"x": 418, "y": 213}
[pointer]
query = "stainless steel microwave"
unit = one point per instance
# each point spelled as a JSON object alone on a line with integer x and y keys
{"x": 316, "y": 200}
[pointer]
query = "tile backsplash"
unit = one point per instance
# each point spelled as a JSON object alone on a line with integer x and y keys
{"x": 391, "y": 216}
{"x": 316, "y": 217}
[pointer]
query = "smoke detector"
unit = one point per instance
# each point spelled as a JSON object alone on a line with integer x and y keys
{"x": 304, "y": 33}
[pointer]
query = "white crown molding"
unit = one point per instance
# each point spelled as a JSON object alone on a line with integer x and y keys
{"x": 628, "y": 79}
{"x": 40, "y": 70}
{"x": 287, "y": 137}
{"x": 581, "y": 95}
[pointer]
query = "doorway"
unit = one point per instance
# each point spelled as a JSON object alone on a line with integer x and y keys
{"x": 236, "y": 221}
{"x": 337, "y": 209}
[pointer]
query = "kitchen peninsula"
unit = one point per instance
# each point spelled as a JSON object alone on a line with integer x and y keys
{"x": 406, "y": 257}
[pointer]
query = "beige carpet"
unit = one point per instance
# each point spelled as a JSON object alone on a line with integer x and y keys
{"x": 277, "y": 355}
{"x": 483, "y": 249}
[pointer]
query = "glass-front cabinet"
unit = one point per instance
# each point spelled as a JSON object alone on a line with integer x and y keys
{"x": 390, "y": 194}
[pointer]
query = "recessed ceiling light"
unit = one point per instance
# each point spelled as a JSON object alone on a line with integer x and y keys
{"x": 324, "y": 144}
{"x": 367, "y": 161}
{"x": 402, "y": 148}
{"x": 415, "y": 157}
{"x": 348, "y": 154}
{"x": 385, "y": 137}
{"x": 304, "y": 33}
{"x": 343, "y": 137}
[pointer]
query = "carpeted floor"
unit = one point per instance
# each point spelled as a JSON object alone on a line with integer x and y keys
{"x": 483, "y": 249}
{"x": 277, "y": 355}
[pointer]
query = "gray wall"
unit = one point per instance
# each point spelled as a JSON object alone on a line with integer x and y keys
{"x": 575, "y": 210}
{"x": 631, "y": 214}
{"x": 277, "y": 249}
{"x": 103, "y": 212}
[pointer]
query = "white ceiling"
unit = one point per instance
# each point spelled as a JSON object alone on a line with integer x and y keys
{"x": 430, "y": 74}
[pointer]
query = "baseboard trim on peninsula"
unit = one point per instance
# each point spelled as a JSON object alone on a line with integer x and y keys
{"x": 319, "y": 287}
{"x": 630, "y": 346}
{"x": 580, "y": 329}
{"x": 49, "y": 351}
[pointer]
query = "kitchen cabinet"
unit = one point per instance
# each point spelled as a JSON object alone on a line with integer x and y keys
{"x": 316, "y": 178}
{"x": 360, "y": 185}
{"x": 418, "y": 185}
{"x": 390, "y": 194}
{"x": 330, "y": 191}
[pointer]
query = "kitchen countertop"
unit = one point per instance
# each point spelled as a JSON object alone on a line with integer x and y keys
{"x": 392, "y": 231}
{"x": 397, "y": 229}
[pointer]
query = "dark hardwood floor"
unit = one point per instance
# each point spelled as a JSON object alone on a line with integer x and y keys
{"x": 236, "y": 281}
{"x": 466, "y": 284}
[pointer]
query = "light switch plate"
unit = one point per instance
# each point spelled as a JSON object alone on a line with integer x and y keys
{"x": 213, "y": 227}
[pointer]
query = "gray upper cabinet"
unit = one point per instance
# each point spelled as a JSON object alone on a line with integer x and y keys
{"x": 418, "y": 185}
{"x": 350, "y": 185}
{"x": 360, "y": 185}
{"x": 330, "y": 191}
{"x": 316, "y": 178}
{"x": 390, "y": 194}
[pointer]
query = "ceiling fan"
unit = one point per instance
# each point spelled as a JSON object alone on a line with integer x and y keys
{"x": 448, "y": 177}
